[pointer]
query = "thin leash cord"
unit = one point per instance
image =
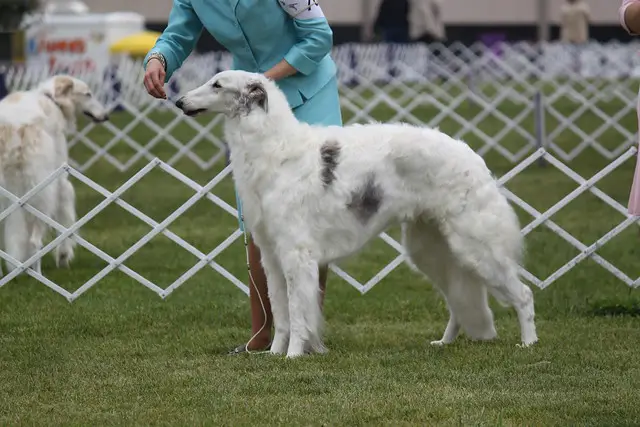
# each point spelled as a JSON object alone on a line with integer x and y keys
{"x": 253, "y": 283}
{"x": 246, "y": 243}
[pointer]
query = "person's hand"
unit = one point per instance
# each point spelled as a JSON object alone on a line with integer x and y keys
{"x": 154, "y": 79}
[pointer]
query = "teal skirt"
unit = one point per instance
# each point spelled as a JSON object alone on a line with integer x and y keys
{"x": 322, "y": 109}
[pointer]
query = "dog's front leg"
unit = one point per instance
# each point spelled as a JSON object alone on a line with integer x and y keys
{"x": 279, "y": 303}
{"x": 305, "y": 315}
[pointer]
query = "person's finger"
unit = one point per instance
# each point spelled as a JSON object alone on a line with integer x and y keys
{"x": 156, "y": 88}
{"x": 158, "y": 83}
{"x": 148, "y": 84}
{"x": 162, "y": 77}
{"x": 153, "y": 92}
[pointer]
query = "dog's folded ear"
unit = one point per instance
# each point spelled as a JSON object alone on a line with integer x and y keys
{"x": 62, "y": 86}
{"x": 257, "y": 95}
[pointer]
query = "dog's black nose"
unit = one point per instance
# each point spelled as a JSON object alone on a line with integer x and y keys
{"x": 180, "y": 103}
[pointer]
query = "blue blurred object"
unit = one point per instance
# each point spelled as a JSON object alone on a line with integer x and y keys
{"x": 173, "y": 89}
{"x": 395, "y": 34}
{"x": 114, "y": 89}
{"x": 393, "y": 21}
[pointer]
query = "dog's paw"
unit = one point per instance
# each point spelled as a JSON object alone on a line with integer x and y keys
{"x": 64, "y": 256}
{"x": 484, "y": 336}
{"x": 296, "y": 348}
{"x": 278, "y": 349}
{"x": 526, "y": 344}
{"x": 280, "y": 344}
{"x": 64, "y": 260}
{"x": 438, "y": 343}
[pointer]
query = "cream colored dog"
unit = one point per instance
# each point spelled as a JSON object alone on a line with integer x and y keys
{"x": 33, "y": 143}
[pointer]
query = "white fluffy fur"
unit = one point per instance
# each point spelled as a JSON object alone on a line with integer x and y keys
{"x": 33, "y": 129}
{"x": 458, "y": 228}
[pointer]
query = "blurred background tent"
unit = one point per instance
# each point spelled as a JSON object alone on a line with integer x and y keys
{"x": 136, "y": 45}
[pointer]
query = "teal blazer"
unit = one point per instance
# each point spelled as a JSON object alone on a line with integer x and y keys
{"x": 258, "y": 34}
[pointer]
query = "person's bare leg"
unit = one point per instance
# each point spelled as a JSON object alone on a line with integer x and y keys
{"x": 324, "y": 272}
{"x": 260, "y": 324}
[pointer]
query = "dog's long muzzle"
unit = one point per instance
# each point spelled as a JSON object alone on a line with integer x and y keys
{"x": 96, "y": 119}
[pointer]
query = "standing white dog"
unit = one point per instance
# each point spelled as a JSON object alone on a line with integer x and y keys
{"x": 33, "y": 144}
{"x": 312, "y": 195}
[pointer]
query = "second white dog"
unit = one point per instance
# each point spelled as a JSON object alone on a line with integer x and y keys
{"x": 312, "y": 195}
{"x": 33, "y": 144}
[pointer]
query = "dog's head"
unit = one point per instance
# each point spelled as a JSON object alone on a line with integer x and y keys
{"x": 74, "y": 95}
{"x": 232, "y": 93}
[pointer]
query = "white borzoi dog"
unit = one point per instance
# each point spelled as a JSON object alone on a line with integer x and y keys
{"x": 33, "y": 129}
{"x": 312, "y": 195}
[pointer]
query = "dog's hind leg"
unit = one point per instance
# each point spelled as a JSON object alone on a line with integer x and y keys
{"x": 513, "y": 292}
{"x": 467, "y": 298}
{"x": 428, "y": 253}
{"x": 491, "y": 255}
{"x": 37, "y": 232}
{"x": 16, "y": 237}
{"x": 305, "y": 313}
{"x": 66, "y": 216}
{"x": 45, "y": 202}
{"x": 451, "y": 331}
{"x": 464, "y": 293}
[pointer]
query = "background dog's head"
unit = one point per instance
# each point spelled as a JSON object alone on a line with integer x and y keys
{"x": 73, "y": 96}
{"x": 233, "y": 93}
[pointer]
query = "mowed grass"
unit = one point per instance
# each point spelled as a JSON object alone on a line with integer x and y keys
{"x": 119, "y": 355}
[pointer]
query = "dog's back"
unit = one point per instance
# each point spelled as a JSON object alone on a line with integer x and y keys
{"x": 29, "y": 153}
{"x": 28, "y": 125}
{"x": 410, "y": 161}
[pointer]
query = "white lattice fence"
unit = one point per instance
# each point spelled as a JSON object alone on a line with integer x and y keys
{"x": 157, "y": 228}
{"x": 402, "y": 80}
{"x": 205, "y": 260}
{"x": 515, "y": 102}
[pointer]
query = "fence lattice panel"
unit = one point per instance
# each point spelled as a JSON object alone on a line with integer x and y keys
{"x": 523, "y": 106}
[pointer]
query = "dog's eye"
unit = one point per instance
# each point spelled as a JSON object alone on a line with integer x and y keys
{"x": 217, "y": 85}
{"x": 88, "y": 94}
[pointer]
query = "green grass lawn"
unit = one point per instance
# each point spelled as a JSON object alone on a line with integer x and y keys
{"x": 119, "y": 355}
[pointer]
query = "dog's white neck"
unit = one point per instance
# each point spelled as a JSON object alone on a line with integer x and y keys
{"x": 260, "y": 135}
{"x": 260, "y": 143}
{"x": 65, "y": 107}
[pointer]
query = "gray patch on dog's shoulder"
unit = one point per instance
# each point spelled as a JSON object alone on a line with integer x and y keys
{"x": 366, "y": 200}
{"x": 254, "y": 94}
{"x": 329, "y": 155}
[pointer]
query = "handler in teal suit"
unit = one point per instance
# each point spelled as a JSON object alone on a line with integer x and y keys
{"x": 288, "y": 41}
